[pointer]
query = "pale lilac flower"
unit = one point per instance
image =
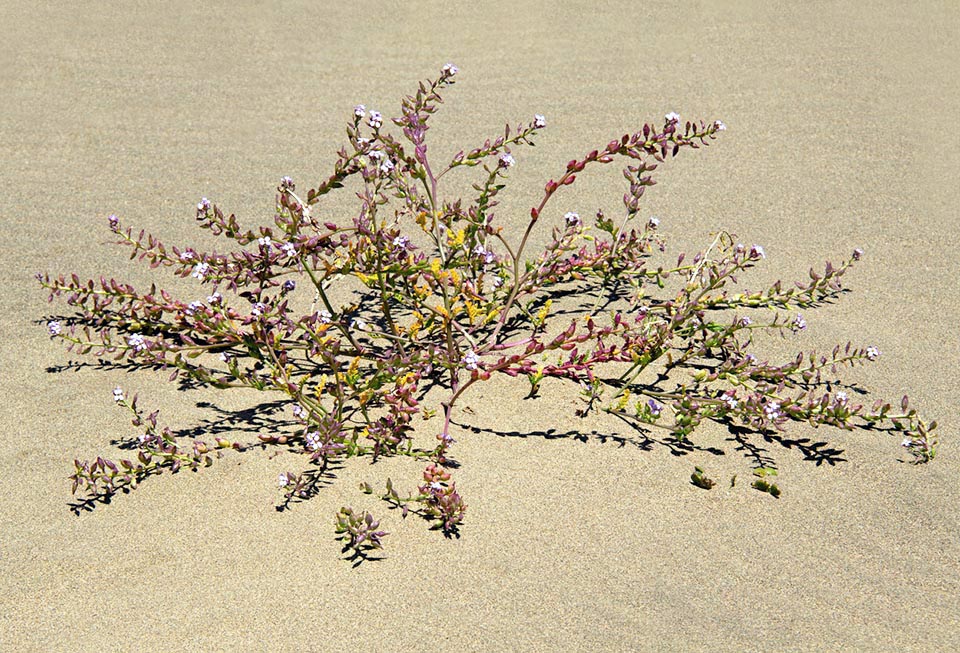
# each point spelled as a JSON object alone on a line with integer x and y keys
{"x": 200, "y": 270}
{"x": 289, "y": 249}
{"x": 264, "y": 242}
{"x": 672, "y": 117}
{"x": 360, "y": 111}
{"x": 654, "y": 408}
{"x": 186, "y": 256}
{"x": 289, "y": 285}
{"x": 203, "y": 205}
{"x": 719, "y": 126}
{"x": 539, "y": 122}
{"x": 450, "y": 69}
{"x": 359, "y": 324}
{"x": 470, "y": 360}
{"x": 497, "y": 281}
{"x": 730, "y": 399}
{"x": 447, "y": 438}
{"x": 286, "y": 183}
{"x": 283, "y": 480}
{"x": 772, "y": 411}
{"x": 799, "y": 324}
{"x": 436, "y": 486}
{"x": 386, "y": 167}
{"x": 137, "y": 342}
{"x": 313, "y": 440}
{"x": 400, "y": 242}
{"x": 653, "y": 222}
{"x": 54, "y": 328}
{"x": 873, "y": 353}
{"x": 298, "y": 411}
{"x": 739, "y": 248}
{"x": 841, "y": 398}
{"x": 907, "y": 442}
{"x": 375, "y": 119}
{"x": 258, "y": 309}
{"x": 744, "y": 321}
{"x": 507, "y": 160}
{"x": 857, "y": 254}
{"x": 375, "y": 155}
{"x": 325, "y": 317}
{"x": 118, "y": 395}
{"x": 482, "y": 252}
{"x": 757, "y": 252}
{"x": 215, "y": 298}
{"x": 193, "y": 307}
{"x": 224, "y": 358}
{"x": 114, "y": 222}
{"x": 572, "y": 218}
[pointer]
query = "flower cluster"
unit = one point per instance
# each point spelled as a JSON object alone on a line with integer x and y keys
{"x": 362, "y": 323}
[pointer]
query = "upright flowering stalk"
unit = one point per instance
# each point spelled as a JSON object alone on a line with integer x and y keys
{"x": 360, "y": 323}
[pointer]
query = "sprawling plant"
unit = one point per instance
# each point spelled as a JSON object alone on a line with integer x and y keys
{"x": 369, "y": 326}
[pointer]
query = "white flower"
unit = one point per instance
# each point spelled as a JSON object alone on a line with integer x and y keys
{"x": 497, "y": 281}
{"x": 857, "y": 254}
{"x": 744, "y": 321}
{"x": 118, "y": 394}
{"x": 203, "y": 205}
{"x": 215, "y": 298}
{"x": 258, "y": 309}
{"x": 386, "y": 167}
{"x": 907, "y": 442}
{"x": 298, "y": 411}
{"x": 841, "y": 398}
{"x": 325, "y": 317}
{"x": 572, "y": 219}
{"x": 375, "y": 119}
{"x": 193, "y": 307}
{"x": 359, "y": 111}
{"x": 137, "y": 342}
{"x": 435, "y": 486}
{"x": 264, "y": 242}
{"x": 283, "y": 480}
{"x": 672, "y": 117}
{"x": 54, "y": 328}
{"x": 730, "y": 399}
{"x": 359, "y": 324}
{"x": 287, "y": 182}
{"x": 470, "y": 360}
{"x": 719, "y": 125}
{"x": 772, "y": 411}
{"x": 539, "y": 121}
{"x": 289, "y": 249}
{"x": 400, "y": 242}
{"x": 873, "y": 353}
{"x": 313, "y": 440}
{"x": 186, "y": 256}
{"x": 200, "y": 270}
{"x": 507, "y": 160}
{"x": 653, "y": 222}
{"x": 224, "y": 357}
{"x": 450, "y": 69}
{"x": 757, "y": 252}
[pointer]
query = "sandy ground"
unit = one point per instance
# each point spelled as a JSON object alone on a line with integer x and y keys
{"x": 842, "y": 133}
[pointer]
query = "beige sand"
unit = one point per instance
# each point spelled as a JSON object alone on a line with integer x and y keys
{"x": 842, "y": 133}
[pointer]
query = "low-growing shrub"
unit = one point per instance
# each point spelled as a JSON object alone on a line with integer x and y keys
{"x": 371, "y": 326}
